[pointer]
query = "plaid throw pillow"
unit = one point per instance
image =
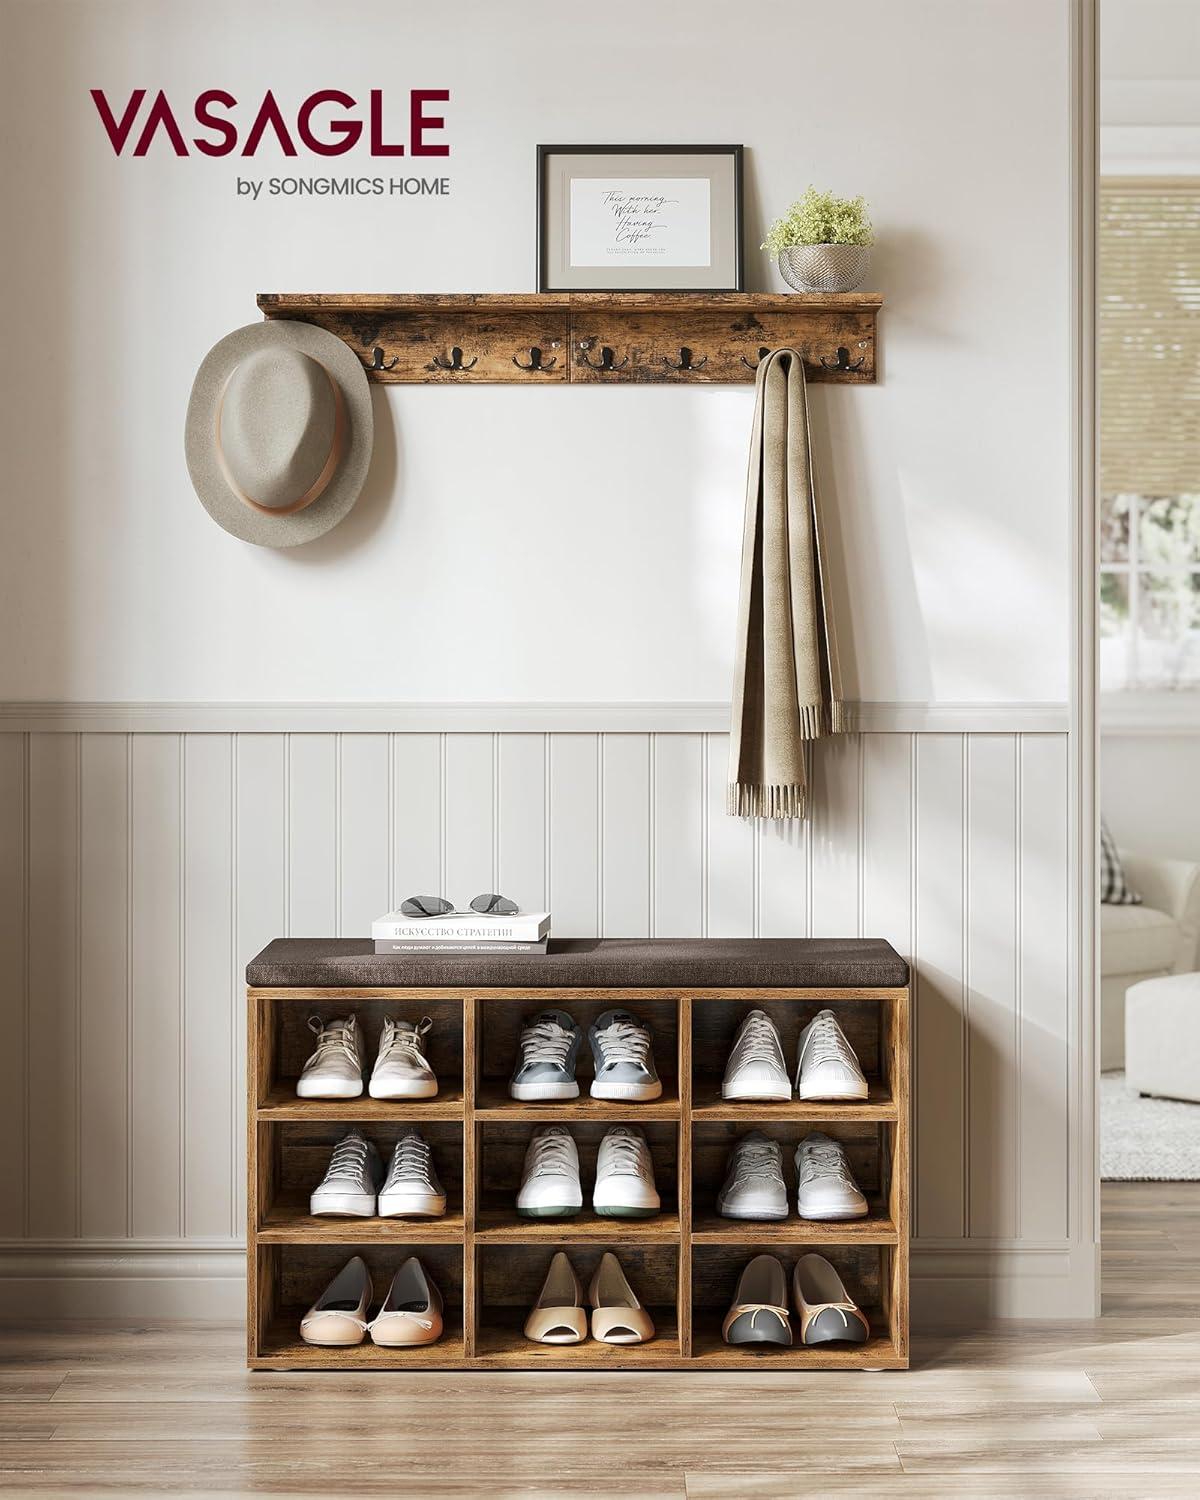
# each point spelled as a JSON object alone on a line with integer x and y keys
{"x": 1115, "y": 890}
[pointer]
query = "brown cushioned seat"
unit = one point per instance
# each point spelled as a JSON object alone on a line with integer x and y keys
{"x": 602, "y": 963}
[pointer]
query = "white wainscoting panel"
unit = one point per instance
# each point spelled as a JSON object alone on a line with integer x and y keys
{"x": 140, "y": 870}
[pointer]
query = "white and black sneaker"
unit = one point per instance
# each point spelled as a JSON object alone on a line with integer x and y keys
{"x": 756, "y": 1068}
{"x": 412, "y": 1189}
{"x": 754, "y": 1187}
{"x": 550, "y": 1187}
{"x": 826, "y": 1188}
{"x": 545, "y": 1066}
{"x": 625, "y": 1176}
{"x": 351, "y": 1180}
{"x": 335, "y": 1069}
{"x": 623, "y": 1058}
{"x": 826, "y": 1067}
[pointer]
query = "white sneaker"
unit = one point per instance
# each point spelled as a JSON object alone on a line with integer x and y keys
{"x": 826, "y": 1187}
{"x": 550, "y": 1187}
{"x": 625, "y": 1176}
{"x": 412, "y": 1189}
{"x": 754, "y": 1187}
{"x": 756, "y": 1068}
{"x": 351, "y": 1180}
{"x": 335, "y": 1069}
{"x": 826, "y": 1067}
{"x": 402, "y": 1070}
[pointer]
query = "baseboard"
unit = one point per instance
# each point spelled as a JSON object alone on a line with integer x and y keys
{"x": 959, "y": 1284}
{"x": 953, "y": 1283}
{"x": 205, "y": 1281}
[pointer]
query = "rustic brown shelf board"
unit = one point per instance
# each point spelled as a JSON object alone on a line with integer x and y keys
{"x": 876, "y": 1229}
{"x": 506, "y": 1227}
{"x": 293, "y": 304}
{"x": 289, "y": 1222}
{"x": 284, "y": 1349}
{"x": 708, "y": 1105}
{"x": 281, "y": 1103}
{"x": 501, "y": 1342}
{"x": 493, "y": 1103}
{"x": 710, "y": 1351}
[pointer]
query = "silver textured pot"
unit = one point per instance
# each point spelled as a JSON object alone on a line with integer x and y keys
{"x": 825, "y": 268}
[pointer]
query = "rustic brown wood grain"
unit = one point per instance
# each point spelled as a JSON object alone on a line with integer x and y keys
{"x": 647, "y": 334}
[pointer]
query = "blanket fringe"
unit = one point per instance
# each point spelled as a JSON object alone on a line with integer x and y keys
{"x": 817, "y": 719}
{"x": 746, "y": 801}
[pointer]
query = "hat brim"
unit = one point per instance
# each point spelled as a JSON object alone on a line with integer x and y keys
{"x": 226, "y": 508}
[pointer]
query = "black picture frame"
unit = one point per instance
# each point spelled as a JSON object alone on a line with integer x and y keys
{"x": 545, "y": 152}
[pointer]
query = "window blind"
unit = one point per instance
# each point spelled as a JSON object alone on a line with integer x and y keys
{"x": 1149, "y": 336}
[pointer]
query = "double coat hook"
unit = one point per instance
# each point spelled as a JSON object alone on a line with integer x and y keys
{"x": 608, "y": 359}
{"x": 377, "y": 360}
{"x": 455, "y": 362}
{"x": 686, "y": 361}
{"x": 842, "y": 361}
{"x": 536, "y": 361}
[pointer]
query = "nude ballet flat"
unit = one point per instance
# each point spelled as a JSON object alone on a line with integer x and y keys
{"x": 338, "y": 1318}
{"x": 412, "y": 1310}
{"x": 558, "y": 1315}
{"x": 617, "y": 1315}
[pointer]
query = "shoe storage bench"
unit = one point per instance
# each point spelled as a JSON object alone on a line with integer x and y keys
{"x": 488, "y": 1262}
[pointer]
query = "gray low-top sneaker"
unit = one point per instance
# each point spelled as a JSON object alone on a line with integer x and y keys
{"x": 547, "y": 1051}
{"x": 623, "y": 1058}
{"x": 826, "y": 1067}
{"x": 754, "y": 1187}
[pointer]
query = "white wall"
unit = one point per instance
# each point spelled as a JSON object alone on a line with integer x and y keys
{"x": 142, "y": 869}
{"x": 595, "y": 533}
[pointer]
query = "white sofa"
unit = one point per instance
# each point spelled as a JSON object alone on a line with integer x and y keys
{"x": 1142, "y": 942}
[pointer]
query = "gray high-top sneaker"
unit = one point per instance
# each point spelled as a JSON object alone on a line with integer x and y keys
{"x": 545, "y": 1066}
{"x": 622, "y": 1057}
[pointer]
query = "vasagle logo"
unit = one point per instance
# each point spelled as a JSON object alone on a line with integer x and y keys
{"x": 327, "y": 123}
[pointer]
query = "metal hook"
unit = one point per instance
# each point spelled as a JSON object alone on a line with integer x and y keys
{"x": 686, "y": 361}
{"x": 536, "y": 362}
{"x": 455, "y": 362}
{"x": 763, "y": 351}
{"x": 608, "y": 360}
{"x": 377, "y": 362}
{"x": 843, "y": 361}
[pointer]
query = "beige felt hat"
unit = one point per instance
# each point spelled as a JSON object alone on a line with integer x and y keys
{"x": 279, "y": 431}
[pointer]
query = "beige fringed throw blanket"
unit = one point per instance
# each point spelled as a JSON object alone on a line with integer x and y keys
{"x": 786, "y": 686}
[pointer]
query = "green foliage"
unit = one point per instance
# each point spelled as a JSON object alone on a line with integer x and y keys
{"x": 820, "y": 219}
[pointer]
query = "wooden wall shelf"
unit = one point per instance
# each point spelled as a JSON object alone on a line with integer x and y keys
{"x": 591, "y": 338}
{"x": 488, "y": 1262}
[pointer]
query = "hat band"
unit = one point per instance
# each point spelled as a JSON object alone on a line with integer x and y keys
{"x": 319, "y": 484}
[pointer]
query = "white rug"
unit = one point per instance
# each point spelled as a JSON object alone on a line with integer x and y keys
{"x": 1146, "y": 1140}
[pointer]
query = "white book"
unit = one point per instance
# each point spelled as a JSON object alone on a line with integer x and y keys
{"x": 525, "y": 927}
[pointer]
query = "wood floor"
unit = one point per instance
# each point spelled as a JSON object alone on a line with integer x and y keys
{"x": 1110, "y": 1408}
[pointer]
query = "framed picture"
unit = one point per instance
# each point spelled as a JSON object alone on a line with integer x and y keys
{"x": 639, "y": 218}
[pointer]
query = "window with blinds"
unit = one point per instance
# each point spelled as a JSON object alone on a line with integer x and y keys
{"x": 1149, "y": 350}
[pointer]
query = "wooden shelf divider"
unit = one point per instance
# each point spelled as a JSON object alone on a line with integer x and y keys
{"x": 591, "y": 338}
{"x": 490, "y": 1262}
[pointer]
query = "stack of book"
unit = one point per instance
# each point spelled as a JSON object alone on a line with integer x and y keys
{"x": 462, "y": 932}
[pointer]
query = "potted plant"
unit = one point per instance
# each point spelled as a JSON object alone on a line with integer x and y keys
{"x": 822, "y": 243}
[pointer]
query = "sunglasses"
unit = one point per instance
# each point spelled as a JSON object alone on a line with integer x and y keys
{"x": 487, "y": 905}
